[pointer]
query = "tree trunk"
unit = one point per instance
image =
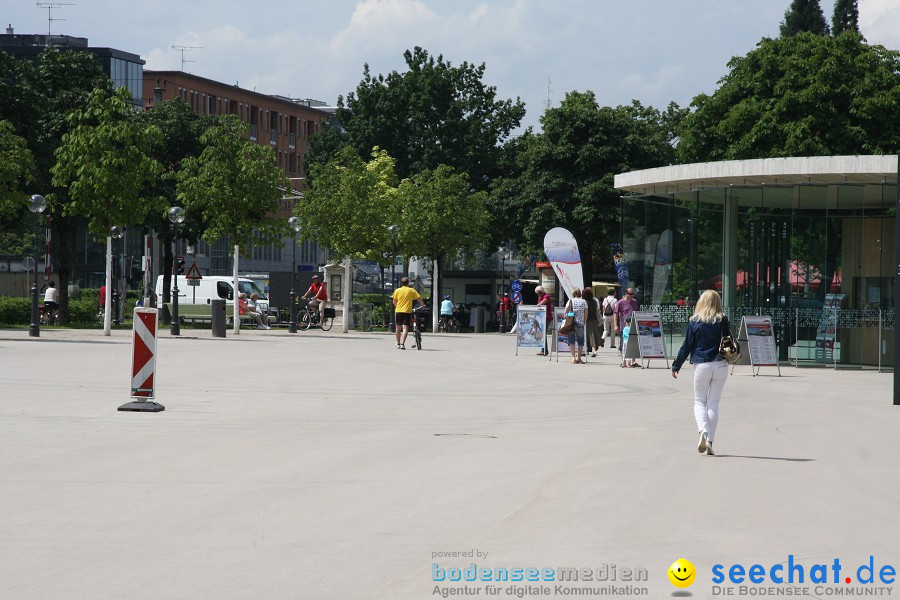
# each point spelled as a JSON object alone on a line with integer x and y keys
{"x": 65, "y": 243}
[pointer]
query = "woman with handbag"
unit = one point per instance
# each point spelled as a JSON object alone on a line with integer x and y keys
{"x": 576, "y": 313}
{"x": 706, "y": 329}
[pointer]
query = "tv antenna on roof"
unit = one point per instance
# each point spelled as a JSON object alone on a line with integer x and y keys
{"x": 50, "y": 6}
{"x": 548, "y": 93}
{"x": 183, "y": 49}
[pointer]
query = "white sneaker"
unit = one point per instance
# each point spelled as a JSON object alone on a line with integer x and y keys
{"x": 261, "y": 327}
{"x": 701, "y": 445}
{"x": 709, "y": 451}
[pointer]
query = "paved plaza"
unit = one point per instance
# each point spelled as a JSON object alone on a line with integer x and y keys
{"x": 333, "y": 466}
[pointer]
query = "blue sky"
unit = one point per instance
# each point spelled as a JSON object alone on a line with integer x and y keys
{"x": 655, "y": 51}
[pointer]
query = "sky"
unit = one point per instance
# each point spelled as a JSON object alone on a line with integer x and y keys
{"x": 654, "y": 51}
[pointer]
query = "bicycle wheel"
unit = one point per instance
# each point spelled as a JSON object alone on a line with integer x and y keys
{"x": 326, "y": 324}
{"x": 418, "y": 335}
{"x": 305, "y": 321}
{"x": 453, "y": 326}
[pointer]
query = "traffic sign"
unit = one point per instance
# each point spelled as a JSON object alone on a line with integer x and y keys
{"x": 193, "y": 273}
{"x": 516, "y": 286}
{"x": 516, "y": 297}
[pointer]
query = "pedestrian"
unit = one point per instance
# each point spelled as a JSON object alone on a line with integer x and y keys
{"x": 593, "y": 339}
{"x": 705, "y": 330}
{"x": 577, "y": 308}
{"x": 402, "y": 299}
{"x": 607, "y": 310}
{"x": 622, "y": 316}
{"x": 545, "y": 300}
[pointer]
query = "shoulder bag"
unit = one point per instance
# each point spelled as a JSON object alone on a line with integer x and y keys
{"x": 729, "y": 348}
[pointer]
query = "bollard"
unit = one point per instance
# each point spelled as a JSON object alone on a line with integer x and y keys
{"x": 218, "y": 317}
{"x": 478, "y": 318}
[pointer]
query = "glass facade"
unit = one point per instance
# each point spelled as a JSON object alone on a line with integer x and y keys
{"x": 787, "y": 251}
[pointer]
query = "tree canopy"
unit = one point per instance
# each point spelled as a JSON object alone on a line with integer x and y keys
{"x": 803, "y": 95}
{"x": 804, "y": 15}
{"x": 432, "y": 114}
{"x": 845, "y": 17}
{"x": 564, "y": 176}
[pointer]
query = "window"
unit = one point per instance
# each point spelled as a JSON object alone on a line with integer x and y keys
{"x": 224, "y": 290}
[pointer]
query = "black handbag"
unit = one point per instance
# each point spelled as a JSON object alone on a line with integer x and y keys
{"x": 729, "y": 348}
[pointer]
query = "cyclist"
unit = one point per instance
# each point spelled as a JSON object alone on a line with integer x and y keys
{"x": 319, "y": 296}
{"x": 402, "y": 300}
{"x": 446, "y": 311}
{"x": 51, "y": 302}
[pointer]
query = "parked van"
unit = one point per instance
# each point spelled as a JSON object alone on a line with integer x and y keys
{"x": 214, "y": 287}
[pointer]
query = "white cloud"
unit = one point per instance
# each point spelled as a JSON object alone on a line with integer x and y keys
{"x": 879, "y": 22}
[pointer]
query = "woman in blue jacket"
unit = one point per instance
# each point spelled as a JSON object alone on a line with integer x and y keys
{"x": 705, "y": 330}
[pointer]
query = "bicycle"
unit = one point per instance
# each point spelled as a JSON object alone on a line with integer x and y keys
{"x": 448, "y": 324}
{"x": 309, "y": 317}
{"x": 48, "y": 316}
{"x": 417, "y": 327}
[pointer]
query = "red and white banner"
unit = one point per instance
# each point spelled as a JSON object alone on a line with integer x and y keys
{"x": 143, "y": 353}
{"x": 562, "y": 252}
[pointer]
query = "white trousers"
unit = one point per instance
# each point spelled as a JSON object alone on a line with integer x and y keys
{"x": 709, "y": 381}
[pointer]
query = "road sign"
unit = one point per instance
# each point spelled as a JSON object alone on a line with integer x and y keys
{"x": 516, "y": 297}
{"x": 193, "y": 274}
{"x": 516, "y": 286}
{"x": 143, "y": 362}
{"x": 28, "y": 263}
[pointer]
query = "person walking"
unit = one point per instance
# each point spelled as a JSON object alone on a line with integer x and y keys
{"x": 402, "y": 299}
{"x": 705, "y": 330}
{"x": 607, "y": 310}
{"x": 593, "y": 340}
{"x": 577, "y": 307}
{"x": 544, "y": 299}
{"x": 622, "y": 315}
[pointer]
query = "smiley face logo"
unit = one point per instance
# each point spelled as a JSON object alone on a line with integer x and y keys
{"x": 682, "y": 573}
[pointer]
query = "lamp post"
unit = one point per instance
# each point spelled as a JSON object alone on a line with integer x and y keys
{"x": 294, "y": 223}
{"x": 176, "y": 217}
{"x": 116, "y": 233}
{"x": 393, "y": 231}
{"x": 504, "y": 252}
{"x": 36, "y": 204}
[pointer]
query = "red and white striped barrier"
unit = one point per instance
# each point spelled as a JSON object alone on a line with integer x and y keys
{"x": 143, "y": 362}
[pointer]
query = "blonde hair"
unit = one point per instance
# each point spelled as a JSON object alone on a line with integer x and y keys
{"x": 576, "y": 293}
{"x": 708, "y": 308}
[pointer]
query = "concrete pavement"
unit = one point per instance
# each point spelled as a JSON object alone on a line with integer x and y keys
{"x": 323, "y": 465}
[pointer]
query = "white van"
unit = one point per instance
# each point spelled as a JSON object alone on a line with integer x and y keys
{"x": 214, "y": 287}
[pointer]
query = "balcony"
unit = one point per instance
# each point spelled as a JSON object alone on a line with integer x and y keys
{"x": 292, "y": 141}
{"x": 253, "y": 132}
{"x": 273, "y": 137}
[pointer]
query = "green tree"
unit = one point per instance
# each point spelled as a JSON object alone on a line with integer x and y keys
{"x": 16, "y": 171}
{"x": 103, "y": 163}
{"x": 441, "y": 214}
{"x": 845, "y": 17}
{"x": 235, "y": 186}
{"x": 324, "y": 146}
{"x": 803, "y": 95}
{"x": 37, "y": 99}
{"x": 181, "y": 129}
{"x": 432, "y": 114}
{"x": 564, "y": 176}
{"x": 804, "y": 15}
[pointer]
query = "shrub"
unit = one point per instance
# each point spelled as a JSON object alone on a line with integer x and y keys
{"x": 15, "y": 311}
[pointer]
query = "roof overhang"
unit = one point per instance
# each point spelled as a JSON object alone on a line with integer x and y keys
{"x": 808, "y": 170}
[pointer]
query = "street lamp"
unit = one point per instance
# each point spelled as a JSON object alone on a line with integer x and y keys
{"x": 36, "y": 204}
{"x": 393, "y": 231}
{"x": 116, "y": 233}
{"x": 504, "y": 254}
{"x": 294, "y": 223}
{"x": 176, "y": 217}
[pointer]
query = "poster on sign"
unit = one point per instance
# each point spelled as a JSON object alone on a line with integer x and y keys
{"x": 760, "y": 336}
{"x": 562, "y": 341}
{"x": 531, "y": 326}
{"x": 648, "y": 327}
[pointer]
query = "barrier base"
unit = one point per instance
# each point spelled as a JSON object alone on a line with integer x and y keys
{"x": 142, "y": 406}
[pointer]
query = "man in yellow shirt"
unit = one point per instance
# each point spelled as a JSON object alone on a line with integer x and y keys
{"x": 403, "y": 300}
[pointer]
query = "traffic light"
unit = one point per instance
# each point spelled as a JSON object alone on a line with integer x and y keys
{"x": 179, "y": 265}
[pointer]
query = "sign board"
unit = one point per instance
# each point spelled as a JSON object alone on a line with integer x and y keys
{"x": 193, "y": 282}
{"x": 826, "y": 334}
{"x": 516, "y": 297}
{"x": 143, "y": 354}
{"x": 515, "y": 286}
{"x": 193, "y": 274}
{"x": 562, "y": 341}
{"x": 531, "y": 326}
{"x": 759, "y": 335}
{"x": 647, "y": 333}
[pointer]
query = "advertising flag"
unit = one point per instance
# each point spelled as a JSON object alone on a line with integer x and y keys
{"x": 621, "y": 262}
{"x": 562, "y": 252}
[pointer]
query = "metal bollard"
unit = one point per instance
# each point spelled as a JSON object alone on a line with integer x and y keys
{"x": 478, "y": 318}
{"x": 218, "y": 318}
